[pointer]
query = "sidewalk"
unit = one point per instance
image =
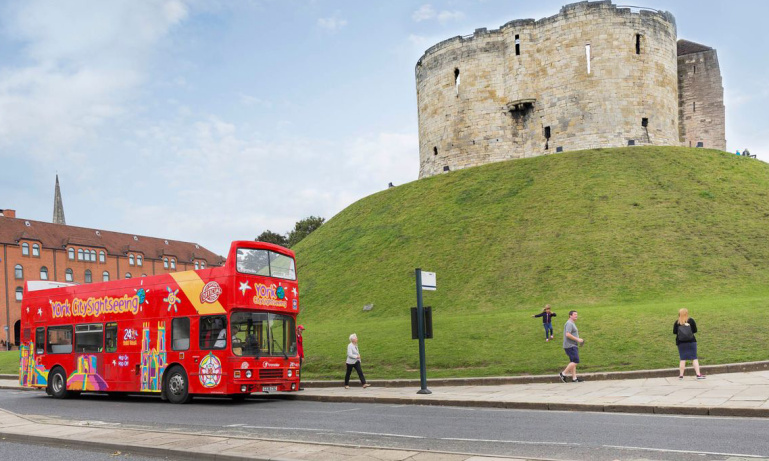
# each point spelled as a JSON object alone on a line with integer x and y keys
{"x": 743, "y": 393}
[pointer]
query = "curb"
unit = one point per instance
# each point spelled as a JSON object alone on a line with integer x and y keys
{"x": 609, "y": 408}
{"x": 498, "y": 380}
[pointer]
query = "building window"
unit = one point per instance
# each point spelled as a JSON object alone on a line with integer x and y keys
{"x": 36, "y": 250}
{"x": 25, "y": 249}
{"x": 587, "y": 55}
{"x": 694, "y": 107}
{"x": 637, "y": 43}
{"x": 43, "y": 273}
{"x": 71, "y": 253}
{"x": 128, "y": 275}
{"x": 517, "y": 45}
{"x": 202, "y": 264}
{"x": 93, "y": 255}
{"x": 173, "y": 263}
{"x": 101, "y": 257}
{"x": 19, "y": 271}
{"x": 165, "y": 263}
{"x": 131, "y": 260}
{"x": 79, "y": 254}
{"x": 197, "y": 265}
{"x": 644, "y": 122}
{"x": 68, "y": 275}
{"x": 105, "y": 276}
{"x": 19, "y": 293}
{"x": 456, "y": 80}
{"x": 88, "y": 278}
{"x": 139, "y": 260}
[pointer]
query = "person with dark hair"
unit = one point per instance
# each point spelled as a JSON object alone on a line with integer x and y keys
{"x": 571, "y": 343}
{"x": 547, "y": 321}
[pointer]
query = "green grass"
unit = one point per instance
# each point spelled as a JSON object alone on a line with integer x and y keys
{"x": 626, "y": 236}
{"x": 9, "y": 363}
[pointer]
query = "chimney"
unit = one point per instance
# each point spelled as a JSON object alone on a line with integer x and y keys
{"x": 8, "y": 213}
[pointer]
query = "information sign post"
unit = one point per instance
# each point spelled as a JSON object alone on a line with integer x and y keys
{"x": 425, "y": 280}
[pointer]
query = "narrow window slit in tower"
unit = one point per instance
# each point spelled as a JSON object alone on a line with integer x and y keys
{"x": 694, "y": 107}
{"x": 446, "y": 168}
{"x": 517, "y": 45}
{"x": 435, "y": 150}
{"x": 644, "y": 122}
{"x": 694, "y": 69}
{"x": 587, "y": 54}
{"x": 456, "y": 80}
{"x": 547, "y": 137}
{"x": 637, "y": 43}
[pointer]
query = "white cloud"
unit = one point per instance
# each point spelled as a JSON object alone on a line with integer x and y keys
{"x": 82, "y": 61}
{"x": 427, "y": 12}
{"x": 332, "y": 24}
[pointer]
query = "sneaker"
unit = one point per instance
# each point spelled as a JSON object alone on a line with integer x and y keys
{"x": 347, "y": 387}
{"x": 681, "y": 377}
{"x": 547, "y": 339}
{"x": 366, "y": 385}
{"x": 577, "y": 380}
{"x": 551, "y": 336}
{"x": 700, "y": 376}
{"x": 562, "y": 376}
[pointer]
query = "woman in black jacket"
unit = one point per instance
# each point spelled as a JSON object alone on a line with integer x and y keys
{"x": 684, "y": 329}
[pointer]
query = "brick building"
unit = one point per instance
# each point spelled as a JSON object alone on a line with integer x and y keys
{"x": 34, "y": 250}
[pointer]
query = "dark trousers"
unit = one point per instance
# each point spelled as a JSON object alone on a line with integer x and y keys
{"x": 349, "y": 372}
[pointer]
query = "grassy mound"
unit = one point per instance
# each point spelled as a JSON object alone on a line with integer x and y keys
{"x": 627, "y": 236}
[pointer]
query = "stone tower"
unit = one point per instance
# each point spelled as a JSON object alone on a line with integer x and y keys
{"x": 700, "y": 97}
{"x": 58, "y": 207}
{"x": 594, "y": 75}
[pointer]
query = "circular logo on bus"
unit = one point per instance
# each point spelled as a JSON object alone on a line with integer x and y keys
{"x": 210, "y": 293}
{"x": 281, "y": 292}
{"x": 210, "y": 371}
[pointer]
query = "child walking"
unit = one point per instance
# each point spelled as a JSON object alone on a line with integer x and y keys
{"x": 547, "y": 322}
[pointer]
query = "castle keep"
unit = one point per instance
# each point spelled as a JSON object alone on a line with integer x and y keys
{"x": 594, "y": 75}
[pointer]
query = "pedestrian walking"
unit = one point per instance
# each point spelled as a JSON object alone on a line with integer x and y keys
{"x": 571, "y": 343}
{"x": 684, "y": 329}
{"x": 300, "y": 349}
{"x": 353, "y": 361}
{"x": 547, "y": 322}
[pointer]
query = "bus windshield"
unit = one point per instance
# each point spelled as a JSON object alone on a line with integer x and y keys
{"x": 266, "y": 263}
{"x": 261, "y": 334}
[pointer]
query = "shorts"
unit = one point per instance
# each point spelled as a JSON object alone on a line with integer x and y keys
{"x": 573, "y": 353}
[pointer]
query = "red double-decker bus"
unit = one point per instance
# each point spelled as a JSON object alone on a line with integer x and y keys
{"x": 223, "y": 330}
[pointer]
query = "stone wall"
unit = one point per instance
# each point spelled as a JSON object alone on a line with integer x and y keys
{"x": 701, "y": 99}
{"x": 525, "y": 90}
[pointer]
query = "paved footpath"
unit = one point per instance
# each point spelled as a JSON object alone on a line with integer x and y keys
{"x": 725, "y": 394}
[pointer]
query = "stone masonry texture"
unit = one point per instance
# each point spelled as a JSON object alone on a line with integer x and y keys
{"x": 594, "y": 75}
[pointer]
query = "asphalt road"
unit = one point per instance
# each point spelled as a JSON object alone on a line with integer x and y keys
{"x": 537, "y": 434}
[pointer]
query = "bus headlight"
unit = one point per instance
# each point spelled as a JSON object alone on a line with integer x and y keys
{"x": 290, "y": 373}
{"x": 248, "y": 374}
{"x": 243, "y": 388}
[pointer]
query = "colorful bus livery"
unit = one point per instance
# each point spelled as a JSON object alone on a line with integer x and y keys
{"x": 223, "y": 330}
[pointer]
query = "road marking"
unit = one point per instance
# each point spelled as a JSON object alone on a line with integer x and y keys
{"x": 664, "y": 450}
{"x": 281, "y": 428}
{"x": 508, "y": 441}
{"x": 96, "y": 423}
{"x": 386, "y": 435}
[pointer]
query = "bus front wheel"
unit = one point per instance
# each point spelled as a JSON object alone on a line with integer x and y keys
{"x": 58, "y": 384}
{"x": 177, "y": 386}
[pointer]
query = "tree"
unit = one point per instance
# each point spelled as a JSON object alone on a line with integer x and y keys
{"x": 303, "y": 228}
{"x": 272, "y": 237}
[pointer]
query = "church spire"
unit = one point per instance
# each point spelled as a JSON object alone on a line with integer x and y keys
{"x": 58, "y": 207}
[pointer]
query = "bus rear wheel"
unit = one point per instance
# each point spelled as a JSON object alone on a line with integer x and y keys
{"x": 177, "y": 385}
{"x": 57, "y": 384}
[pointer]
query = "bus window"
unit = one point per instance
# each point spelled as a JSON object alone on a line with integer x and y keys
{"x": 213, "y": 332}
{"x": 89, "y": 337}
{"x": 282, "y": 266}
{"x": 180, "y": 334}
{"x": 255, "y": 262}
{"x": 39, "y": 340}
{"x": 110, "y": 337}
{"x": 59, "y": 340}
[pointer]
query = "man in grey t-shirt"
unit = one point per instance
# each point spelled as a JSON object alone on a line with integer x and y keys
{"x": 571, "y": 342}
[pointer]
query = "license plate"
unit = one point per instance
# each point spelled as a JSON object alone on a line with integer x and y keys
{"x": 269, "y": 388}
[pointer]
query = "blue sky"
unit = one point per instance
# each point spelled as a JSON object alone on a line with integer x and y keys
{"x": 209, "y": 121}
